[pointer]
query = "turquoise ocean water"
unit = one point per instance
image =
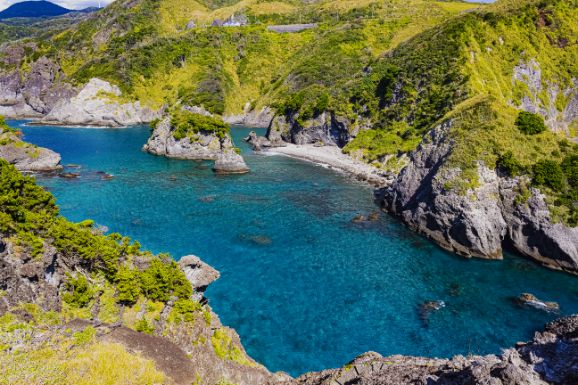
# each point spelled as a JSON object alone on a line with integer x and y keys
{"x": 305, "y": 288}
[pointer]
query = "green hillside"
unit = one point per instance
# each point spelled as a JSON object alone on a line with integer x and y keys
{"x": 145, "y": 48}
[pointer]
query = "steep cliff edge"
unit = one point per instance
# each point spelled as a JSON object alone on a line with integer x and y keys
{"x": 479, "y": 219}
{"x": 193, "y": 133}
{"x": 79, "y": 303}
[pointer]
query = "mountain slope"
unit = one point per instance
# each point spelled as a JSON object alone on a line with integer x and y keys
{"x": 33, "y": 9}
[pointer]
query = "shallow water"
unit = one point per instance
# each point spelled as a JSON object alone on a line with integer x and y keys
{"x": 305, "y": 288}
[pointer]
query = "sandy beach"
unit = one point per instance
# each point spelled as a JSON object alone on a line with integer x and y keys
{"x": 332, "y": 157}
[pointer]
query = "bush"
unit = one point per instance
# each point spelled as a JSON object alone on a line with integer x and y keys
{"x": 549, "y": 173}
{"x": 509, "y": 165}
{"x": 529, "y": 123}
{"x": 127, "y": 286}
{"x": 77, "y": 291}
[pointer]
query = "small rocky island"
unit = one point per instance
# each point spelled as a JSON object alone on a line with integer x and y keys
{"x": 25, "y": 156}
{"x": 195, "y": 134}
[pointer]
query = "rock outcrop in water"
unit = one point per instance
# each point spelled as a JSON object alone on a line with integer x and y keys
{"x": 197, "y": 144}
{"x": 25, "y": 156}
{"x": 480, "y": 222}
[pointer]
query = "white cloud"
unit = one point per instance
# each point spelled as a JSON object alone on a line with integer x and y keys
{"x": 71, "y": 4}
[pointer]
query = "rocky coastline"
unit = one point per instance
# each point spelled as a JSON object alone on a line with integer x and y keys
{"x": 483, "y": 221}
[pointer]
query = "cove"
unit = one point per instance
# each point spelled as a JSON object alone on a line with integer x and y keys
{"x": 304, "y": 287}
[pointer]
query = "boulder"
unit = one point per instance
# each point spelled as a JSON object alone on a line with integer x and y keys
{"x": 199, "y": 274}
{"x": 230, "y": 163}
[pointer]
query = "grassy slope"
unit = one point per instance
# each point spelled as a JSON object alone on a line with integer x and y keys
{"x": 146, "y": 49}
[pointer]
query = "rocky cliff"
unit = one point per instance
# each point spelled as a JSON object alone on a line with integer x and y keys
{"x": 73, "y": 300}
{"x": 98, "y": 104}
{"x": 192, "y": 133}
{"x": 478, "y": 220}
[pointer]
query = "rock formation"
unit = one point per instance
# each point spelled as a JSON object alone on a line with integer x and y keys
{"x": 477, "y": 223}
{"x": 205, "y": 145}
{"x": 25, "y": 156}
{"x": 99, "y": 104}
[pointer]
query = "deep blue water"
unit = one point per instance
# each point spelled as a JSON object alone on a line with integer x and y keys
{"x": 305, "y": 288}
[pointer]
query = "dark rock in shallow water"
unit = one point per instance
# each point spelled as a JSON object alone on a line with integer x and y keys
{"x": 69, "y": 175}
{"x": 359, "y": 219}
{"x": 429, "y": 307}
{"x": 529, "y": 300}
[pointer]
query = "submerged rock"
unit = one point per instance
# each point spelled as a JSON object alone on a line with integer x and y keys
{"x": 429, "y": 307}
{"x": 530, "y": 300}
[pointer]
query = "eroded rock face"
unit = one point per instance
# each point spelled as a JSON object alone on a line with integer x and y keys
{"x": 34, "y": 93}
{"x": 252, "y": 118}
{"x": 478, "y": 222}
{"x": 327, "y": 129}
{"x": 28, "y": 279}
{"x": 27, "y": 157}
{"x": 97, "y": 104}
{"x": 199, "y": 274}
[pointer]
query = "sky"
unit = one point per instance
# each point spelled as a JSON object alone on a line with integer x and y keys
{"x": 70, "y": 4}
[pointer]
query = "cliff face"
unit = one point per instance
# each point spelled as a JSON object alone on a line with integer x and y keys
{"x": 34, "y": 93}
{"x": 98, "y": 104}
{"x": 477, "y": 222}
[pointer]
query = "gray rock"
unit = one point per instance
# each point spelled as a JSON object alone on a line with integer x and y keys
{"x": 206, "y": 146}
{"x": 97, "y": 105}
{"x": 550, "y": 358}
{"x": 230, "y": 162}
{"x": 27, "y": 157}
{"x": 252, "y": 118}
{"x": 199, "y": 274}
{"x": 327, "y": 128}
{"x": 478, "y": 222}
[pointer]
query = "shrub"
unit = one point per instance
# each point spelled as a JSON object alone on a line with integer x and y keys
{"x": 143, "y": 326}
{"x": 508, "y": 164}
{"x": 77, "y": 291}
{"x": 549, "y": 173}
{"x": 127, "y": 286}
{"x": 529, "y": 123}
{"x": 164, "y": 279}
